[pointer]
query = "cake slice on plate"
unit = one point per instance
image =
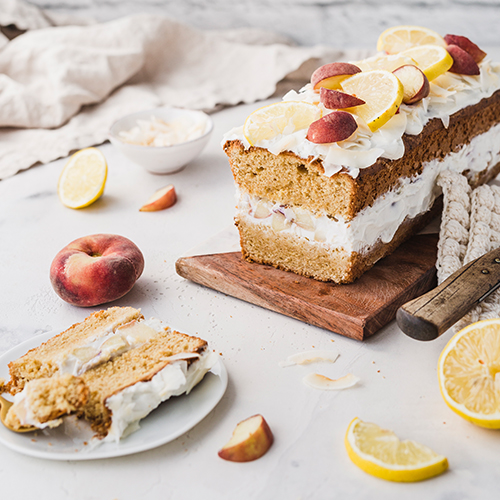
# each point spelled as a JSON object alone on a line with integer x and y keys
{"x": 113, "y": 369}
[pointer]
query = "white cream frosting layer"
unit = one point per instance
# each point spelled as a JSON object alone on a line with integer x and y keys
{"x": 410, "y": 198}
{"x": 135, "y": 402}
{"x": 448, "y": 94}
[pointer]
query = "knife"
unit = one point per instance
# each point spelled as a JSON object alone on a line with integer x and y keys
{"x": 430, "y": 315}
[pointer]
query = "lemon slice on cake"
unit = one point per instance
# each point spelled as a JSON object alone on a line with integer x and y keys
{"x": 382, "y": 93}
{"x": 280, "y": 118}
{"x": 469, "y": 373}
{"x": 83, "y": 178}
{"x": 433, "y": 60}
{"x": 379, "y": 452}
{"x": 399, "y": 38}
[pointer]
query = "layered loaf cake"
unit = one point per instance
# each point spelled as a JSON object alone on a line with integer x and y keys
{"x": 337, "y": 175}
{"x": 113, "y": 369}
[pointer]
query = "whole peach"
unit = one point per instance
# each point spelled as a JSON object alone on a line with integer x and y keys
{"x": 96, "y": 269}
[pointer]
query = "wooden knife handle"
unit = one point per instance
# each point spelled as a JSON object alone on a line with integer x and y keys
{"x": 430, "y": 315}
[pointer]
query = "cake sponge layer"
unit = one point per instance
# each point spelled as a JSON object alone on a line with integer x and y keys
{"x": 43, "y": 360}
{"x": 47, "y": 399}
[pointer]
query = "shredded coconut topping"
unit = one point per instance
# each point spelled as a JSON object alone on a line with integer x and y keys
{"x": 158, "y": 133}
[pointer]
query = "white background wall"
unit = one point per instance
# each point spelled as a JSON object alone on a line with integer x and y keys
{"x": 340, "y": 23}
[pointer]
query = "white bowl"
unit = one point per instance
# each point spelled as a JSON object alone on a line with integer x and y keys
{"x": 161, "y": 159}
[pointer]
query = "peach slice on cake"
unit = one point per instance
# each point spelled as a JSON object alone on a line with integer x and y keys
{"x": 331, "y": 75}
{"x": 463, "y": 62}
{"x": 333, "y": 127}
{"x": 335, "y": 99}
{"x": 415, "y": 83}
{"x": 465, "y": 44}
{"x": 250, "y": 440}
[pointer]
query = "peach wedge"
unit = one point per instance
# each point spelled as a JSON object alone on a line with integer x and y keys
{"x": 250, "y": 440}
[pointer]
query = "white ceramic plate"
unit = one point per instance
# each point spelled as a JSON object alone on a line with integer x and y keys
{"x": 72, "y": 439}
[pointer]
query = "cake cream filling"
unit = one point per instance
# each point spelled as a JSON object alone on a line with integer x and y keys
{"x": 449, "y": 93}
{"x": 114, "y": 342}
{"x": 135, "y": 402}
{"x": 411, "y": 197}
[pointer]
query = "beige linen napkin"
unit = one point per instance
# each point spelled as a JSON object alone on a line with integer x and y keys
{"x": 61, "y": 88}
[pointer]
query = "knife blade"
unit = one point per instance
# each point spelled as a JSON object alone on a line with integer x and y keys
{"x": 431, "y": 314}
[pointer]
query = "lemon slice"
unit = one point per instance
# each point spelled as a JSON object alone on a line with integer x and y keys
{"x": 280, "y": 118}
{"x": 433, "y": 60}
{"x": 387, "y": 62}
{"x": 83, "y": 178}
{"x": 379, "y": 452}
{"x": 469, "y": 373}
{"x": 399, "y": 38}
{"x": 382, "y": 93}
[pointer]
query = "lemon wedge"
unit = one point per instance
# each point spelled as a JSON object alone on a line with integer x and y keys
{"x": 83, "y": 178}
{"x": 469, "y": 373}
{"x": 379, "y": 452}
{"x": 399, "y": 38}
{"x": 284, "y": 117}
{"x": 382, "y": 93}
{"x": 433, "y": 60}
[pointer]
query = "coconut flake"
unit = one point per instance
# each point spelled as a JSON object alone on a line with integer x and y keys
{"x": 317, "y": 381}
{"x": 305, "y": 357}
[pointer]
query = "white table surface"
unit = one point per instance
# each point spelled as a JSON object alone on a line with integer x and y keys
{"x": 398, "y": 388}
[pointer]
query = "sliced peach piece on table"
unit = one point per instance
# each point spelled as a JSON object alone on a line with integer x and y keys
{"x": 160, "y": 200}
{"x": 250, "y": 440}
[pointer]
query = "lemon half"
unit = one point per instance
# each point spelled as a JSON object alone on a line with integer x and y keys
{"x": 469, "y": 373}
{"x": 83, "y": 178}
{"x": 379, "y": 452}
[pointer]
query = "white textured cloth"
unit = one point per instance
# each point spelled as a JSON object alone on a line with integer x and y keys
{"x": 470, "y": 227}
{"x": 62, "y": 87}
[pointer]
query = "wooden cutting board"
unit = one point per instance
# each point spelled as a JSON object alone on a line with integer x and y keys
{"x": 357, "y": 310}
